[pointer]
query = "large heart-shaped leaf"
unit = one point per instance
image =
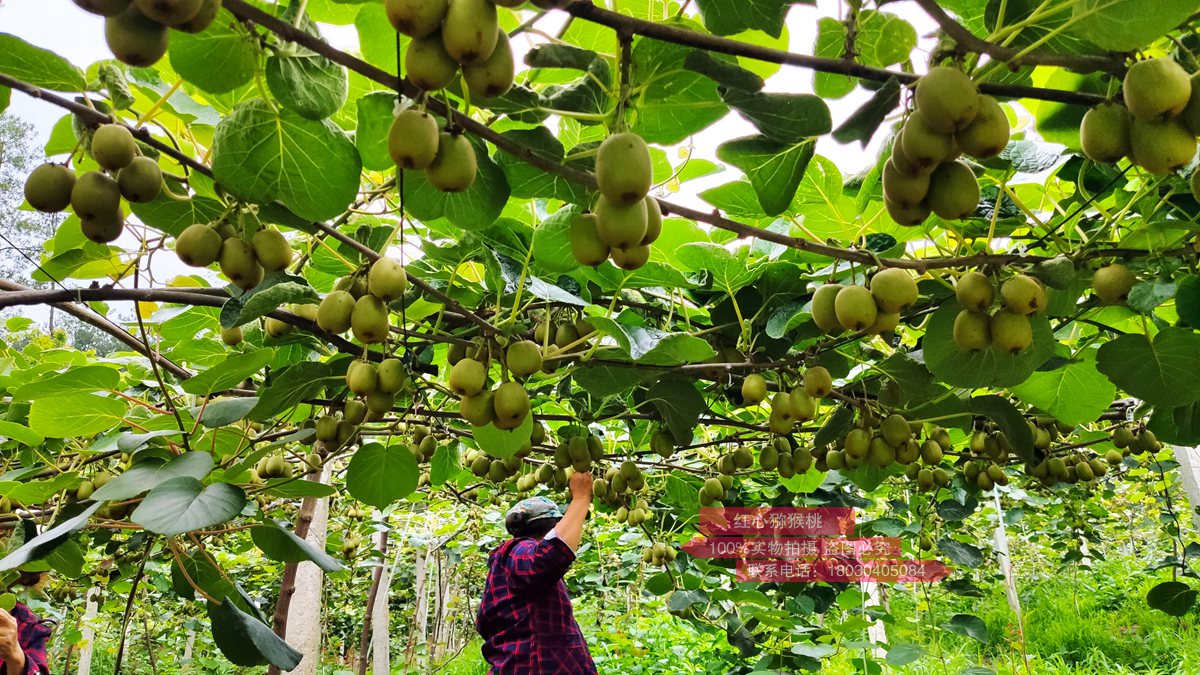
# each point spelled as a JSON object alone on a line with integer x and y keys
{"x": 183, "y": 504}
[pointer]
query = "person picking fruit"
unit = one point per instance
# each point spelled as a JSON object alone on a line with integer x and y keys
{"x": 525, "y": 617}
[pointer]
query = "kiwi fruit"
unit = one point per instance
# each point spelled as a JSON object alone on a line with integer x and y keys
{"x": 494, "y": 75}
{"x": 232, "y": 337}
{"x": 586, "y": 246}
{"x": 923, "y": 147}
{"x": 1104, "y": 133}
{"x": 113, "y": 147}
{"x": 987, "y": 135}
{"x": 907, "y": 216}
{"x": 1112, "y": 283}
{"x": 1161, "y": 147}
{"x": 335, "y": 312}
{"x": 454, "y": 167}
{"x": 972, "y": 331}
{"x": 903, "y": 162}
{"x": 369, "y": 320}
{"x": 169, "y": 12}
{"x": 392, "y": 375}
{"x": 1011, "y": 332}
{"x": 276, "y": 328}
{"x": 620, "y": 227}
{"x": 781, "y": 420}
{"x": 948, "y": 99}
{"x": 271, "y": 249}
{"x": 95, "y": 195}
{"x": 1190, "y": 116}
{"x": 653, "y": 221}
{"x": 823, "y": 308}
{"x": 885, "y": 322}
{"x": 857, "y": 443}
{"x": 469, "y": 31}
{"x": 415, "y": 18}
{"x": 134, "y": 39}
{"x": 479, "y": 409}
{"x": 894, "y": 289}
{"x": 239, "y": 264}
{"x": 467, "y": 377}
{"x": 523, "y": 358}
{"x": 511, "y": 403}
{"x": 387, "y": 279}
{"x": 362, "y": 379}
{"x": 906, "y": 190}
{"x": 1022, "y": 294}
{"x": 141, "y": 181}
{"x": 754, "y": 389}
{"x": 1194, "y": 184}
{"x": 427, "y": 65}
{"x": 48, "y": 188}
{"x": 818, "y": 382}
{"x": 1156, "y": 89}
{"x": 198, "y": 246}
{"x": 203, "y": 18}
{"x": 103, "y": 7}
{"x": 804, "y": 407}
{"x": 413, "y": 139}
{"x": 630, "y": 259}
{"x": 623, "y": 169}
{"x": 104, "y": 228}
{"x": 975, "y": 292}
{"x": 953, "y": 191}
{"x": 855, "y": 308}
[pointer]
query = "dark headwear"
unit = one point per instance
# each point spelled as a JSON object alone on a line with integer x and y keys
{"x": 532, "y": 515}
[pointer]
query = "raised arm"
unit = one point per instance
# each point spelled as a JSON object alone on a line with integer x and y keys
{"x": 570, "y": 528}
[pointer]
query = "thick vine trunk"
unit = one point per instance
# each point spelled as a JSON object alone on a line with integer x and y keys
{"x": 297, "y": 616}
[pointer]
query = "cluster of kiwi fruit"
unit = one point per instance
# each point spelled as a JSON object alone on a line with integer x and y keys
{"x": 375, "y": 387}
{"x": 873, "y": 310}
{"x": 449, "y": 34}
{"x": 506, "y": 406}
{"x": 625, "y": 220}
{"x": 619, "y": 482}
{"x": 579, "y": 453}
{"x": 892, "y": 440}
{"x": 359, "y": 303}
{"x": 561, "y": 333}
{"x": 780, "y": 456}
{"x": 138, "y": 31}
{"x": 96, "y": 195}
{"x": 496, "y": 470}
{"x": 1156, "y": 128}
{"x": 924, "y": 174}
{"x": 86, "y": 487}
{"x": 1075, "y": 466}
{"x": 658, "y": 553}
{"x": 787, "y": 407}
{"x": 244, "y": 261}
{"x": 416, "y": 142}
{"x": 273, "y": 466}
{"x": 635, "y": 513}
{"x": 1007, "y": 329}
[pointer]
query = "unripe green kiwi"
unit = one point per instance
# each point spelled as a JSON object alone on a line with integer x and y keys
{"x": 49, "y": 186}
{"x": 478, "y": 409}
{"x": 904, "y": 189}
{"x": 415, "y": 18}
{"x": 271, "y": 249}
{"x": 238, "y": 263}
{"x": 95, "y": 195}
{"x": 1112, "y": 283}
{"x": 824, "y": 312}
{"x": 103, "y": 7}
{"x": 855, "y": 308}
{"x": 413, "y": 139}
{"x": 387, "y": 279}
{"x": 467, "y": 377}
{"x": 141, "y": 181}
{"x": 511, "y": 403}
{"x": 972, "y": 331}
{"x": 169, "y": 12}
{"x": 113, "y": 147}
{"x": 335, "y": 311}
{"x": 369, "y": 320}
{"x": 523, "y": 358}
{"x": 494, "y": 75}
{"x": 818, "y": 382}
{"x": 392, "y": 375}
{"x": 586, "y": 246}
{"x": 907, "y": 216}
{"x": 1156, "y": 89}
{"x": 1161, "y": 147}
{"x": 454, "y": 167}
{"x": 135, "y": 39}
{"x": 469, "y": 30}
{"x": 104, "y": 229}
{"x": 1104, "y": 133}
{"x": 232, "y": 337}
{"x": 203, "y": 18}
{"x": 1011, "y": 332}
{"x": 199, "y": 245}
{"x": 1022, "y": 294}
{"x": 653, "y": 221}
{"x": 623, "y": 169}
{"x": 630, "y": 259}
{"x": 953, "y": 191}
{"x": 987, "y": 135}
{"x": 754, "y": 389}
{"x": 276, "y": 328}
{"x": 948, "y": 99}
{"x": 621, "y": 227}
{"x": 975, "y": 291}
{"x": 427, "y": 65}
{"x": 922, "y": 146}
{"x": 894, "y": 289}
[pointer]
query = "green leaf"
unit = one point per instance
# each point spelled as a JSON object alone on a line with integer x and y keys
{"x": 307, "y": 83}
{"x": 76, "y": 415}
{"x": 260, "y": 155}
{"x": 280, "y": 543}
{"x": 150, "y": 473}
{"x": 530, "y": 182}
{"x": 224, "y": 412}
{"x": 44, "y": 543}
{"x": 1162, "y": 372}
{"x": 784, "y": 118}
{"x": 608, "y": 380}
{"x": 730, "y": 271}
{"x": 229, "y": 373}
{"x": 962, "y": 553}
{"x": 246, "y": 641}
{"x": 380, "y": 475}
{"x": 1125, "y": 25}
{"x": 37, "y": 66}
{"x": 5, "y": 98}
{"x": 375, "y": 114}
{"x": 220, "y": 59}
{"x": 444, "y": 465}
{"x": 1001, "y": 411}
{"x": 551, "y": 244}
{"x": 653, "y": 346}
{"x": 659, "y": 584}
{"x": 112, "y": 78}
{"x": 774, "y": 169}
{"x": 987, "y": 368}
{"x": 727, "y": 17}
{"x": 173, "y": 216}
{"x": 276, "y": 290}
{"x": 1074, "y": 394}
{"x": 968, "y": 625}
{"x": 295, "y": 384}
{"x": 831, "y": 44}
{"x": 473, "y": 209}
{"x": 84, "y": 380}
{"x": 862, "y": 124}
{"x": 1173, "y": 598}
{"x": 679, "y": 102}
{"x": 679, "y": 404}
{"x": 1178, "y": 426}
{"x": 838, "y": 424}
{"x": 500, "y": 442}
{"x": 20, "y": 433}
{"x": 722, "y": 72}
{"x": 1187, "y": 300}
{"x": 67, "y": 560}
{"x": 183, "y": 504}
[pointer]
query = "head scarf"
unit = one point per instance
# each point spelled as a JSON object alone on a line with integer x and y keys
{"x": 529, "y": 511}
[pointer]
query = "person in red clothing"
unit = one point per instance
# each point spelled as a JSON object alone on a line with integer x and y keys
{"x": 23, "y": 637}
{"x": 525, "y": 617}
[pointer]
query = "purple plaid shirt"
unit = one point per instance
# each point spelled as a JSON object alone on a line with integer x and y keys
{"x": 32, "y": 636}
{"x": 525, "y": 617}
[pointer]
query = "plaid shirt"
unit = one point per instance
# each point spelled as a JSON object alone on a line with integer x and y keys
{"x": 33, "y": 634}
{"x": 525, "y": 617}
